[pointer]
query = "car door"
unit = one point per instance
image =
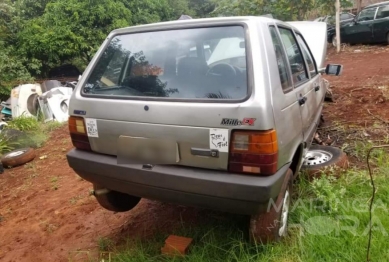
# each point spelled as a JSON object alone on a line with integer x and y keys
{"x": 362, "y": 30}
{"x": 318, "y": 92}
{"x": 286, "y": 108}
{"x": 303, "y": 86}
{"x": 381, "y": 24}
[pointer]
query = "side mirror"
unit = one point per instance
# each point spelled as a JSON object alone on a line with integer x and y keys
{"x": 332, "y": 69}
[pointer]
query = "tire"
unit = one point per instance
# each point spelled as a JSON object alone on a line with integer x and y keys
{"x": 333, "y": 40}
{"x": 18, "y": 157}
{"x": 387, "y": 38}
{"x": 320, "y": 159}
{"x": 272, "y": 225}
{"x": 114, "y": 200}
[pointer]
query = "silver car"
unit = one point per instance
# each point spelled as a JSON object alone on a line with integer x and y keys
{"x": 216, "y": 113}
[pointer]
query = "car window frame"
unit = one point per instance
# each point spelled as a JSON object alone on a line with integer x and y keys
{"x": 295, "y": 86}
{"x": 375, "y": 18}
{"x": 285, "y": 59}
{"x": 310, "y": 53}
{"x": 249, "y": 65}
{"x": 375, "y": 14}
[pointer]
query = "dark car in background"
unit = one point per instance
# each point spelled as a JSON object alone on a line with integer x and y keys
{"x": 330, "y": 20}
{"x": 371, "y": 25}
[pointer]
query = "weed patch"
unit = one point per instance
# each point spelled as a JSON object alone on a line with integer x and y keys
{"x": 328, "y": 222}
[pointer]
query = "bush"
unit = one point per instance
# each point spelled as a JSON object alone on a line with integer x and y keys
{"x": 24, "y": 123}
{"x": 5, "y": 145}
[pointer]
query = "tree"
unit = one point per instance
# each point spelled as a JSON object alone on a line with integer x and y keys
{"x": 202, "y": 8}
{"x": 149, "y": 11}
{"x": 29, "y": 9}
{"x": 178, "y": 8}
{"x": 71, "y": 28}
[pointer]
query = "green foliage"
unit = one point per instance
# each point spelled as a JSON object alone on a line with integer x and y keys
{"x": 69, "y": 29}
{"x": 152, "y": 11}
{"x": 105, "y": 244}
{"x": 178, "y": 8}
{"x": 37, "y": 35}
{"x": 328, "y": 193}
{"x": 286, "y": 10}
{"x": 6, "y": 145}
{"x": 314, "y": 234}
{"x": 29, "y": 9}
{"x": 24, "y": 123}
{"x": 202, "y": 8}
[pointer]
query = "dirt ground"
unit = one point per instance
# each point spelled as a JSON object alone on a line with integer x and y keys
{"x": 48, "y": 214}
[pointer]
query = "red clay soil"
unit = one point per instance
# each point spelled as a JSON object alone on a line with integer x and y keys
{"x": 47, "y": 213}
{"x": 363, "y": 87}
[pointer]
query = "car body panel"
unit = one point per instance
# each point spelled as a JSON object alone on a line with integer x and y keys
{"x": 315, "y": 36}
{"x": 190, "y": 122}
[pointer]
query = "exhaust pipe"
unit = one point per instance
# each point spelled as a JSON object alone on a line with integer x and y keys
{"x": 100, "y": 192}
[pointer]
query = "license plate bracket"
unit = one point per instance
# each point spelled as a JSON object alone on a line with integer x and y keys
{"x": 147, "y": 150}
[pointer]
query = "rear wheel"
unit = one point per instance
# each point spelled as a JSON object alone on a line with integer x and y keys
{"x": 114, "y": 200}
{"x": 272, "y": 226}
{"x": 387, "y": 38}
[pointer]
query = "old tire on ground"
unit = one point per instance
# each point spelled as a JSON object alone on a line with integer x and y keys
{"x": 18, "y": 157}
{"x": 114, "y": 200}
{"x": 319, "y": 159}
{"x": 272, "y": 226}
{"x": 333, "y": 40}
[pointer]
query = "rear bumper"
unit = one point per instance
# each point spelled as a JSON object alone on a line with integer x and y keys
{"x": 182, "y": 185}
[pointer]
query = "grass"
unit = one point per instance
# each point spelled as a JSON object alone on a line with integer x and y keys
{"x": 328, "y": 222}
{"x": 35, "y": 133}
{"x": 54, "y": 182}
{"x": 105, "y": 244}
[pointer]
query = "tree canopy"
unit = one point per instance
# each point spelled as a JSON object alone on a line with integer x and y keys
{"x": 37, "y": 35}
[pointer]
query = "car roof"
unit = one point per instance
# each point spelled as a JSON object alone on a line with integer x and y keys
{"x": 195, "y": 22}
{"x": 378, "y": 4}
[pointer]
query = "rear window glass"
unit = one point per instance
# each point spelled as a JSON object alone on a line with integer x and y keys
{"x": 200, "y": 63}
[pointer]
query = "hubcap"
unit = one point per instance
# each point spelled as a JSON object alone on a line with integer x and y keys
{"x": 317, "y": 157}
{"x": 284, "y": 215}
{"x": 16, "y": 153}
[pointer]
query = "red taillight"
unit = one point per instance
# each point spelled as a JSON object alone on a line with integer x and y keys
{"x": 254, "y": 152}
{"x": 78, "y": 133}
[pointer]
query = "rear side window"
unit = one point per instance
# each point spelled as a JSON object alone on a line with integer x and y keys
{"x": 367, "y": 14}
{"x": 281, "y": 60}
{"x": 200, "y": 63}
{"x": 296, "y": 61}
{"x": 307, "y": 55}
{"x": 383, "y": 12}
{"x": 345, "y": 16}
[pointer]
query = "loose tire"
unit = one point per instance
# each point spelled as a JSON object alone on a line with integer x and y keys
{"x": 333, "y": 40}
{"x": 18, "y": 157}
{"x": 272, "y": 226}
{"x": 114, "y": 200}
{"x": 320, "y": 159}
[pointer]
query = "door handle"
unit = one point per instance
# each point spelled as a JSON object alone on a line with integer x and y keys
{"x": 317, "y": 88}
{"x": 302, "y": 100}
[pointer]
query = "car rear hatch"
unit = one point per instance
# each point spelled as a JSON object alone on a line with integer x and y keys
{"x": 170, "y": 97}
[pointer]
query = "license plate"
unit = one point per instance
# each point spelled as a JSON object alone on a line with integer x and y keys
{"x": 147, "y": 151}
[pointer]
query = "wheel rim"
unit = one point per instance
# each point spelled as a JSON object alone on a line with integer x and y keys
{"x": 317, "y": 157}
{"x": 334, "y": 41}
{"x": 16, "y": 153}
{"x": 284, "y": 215}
